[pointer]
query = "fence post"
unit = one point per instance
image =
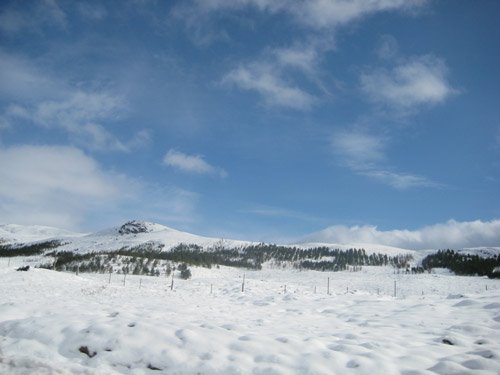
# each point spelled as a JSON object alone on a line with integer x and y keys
{"x": 395, "y": 289}
{"x": 140, "y": 283}
{"x": 328, "y": 286}
{"x": 211, "y": 288}
{"x": 124, "y": 278}
{"x": 172, "y": 284}
{"x": 243, "y": 284}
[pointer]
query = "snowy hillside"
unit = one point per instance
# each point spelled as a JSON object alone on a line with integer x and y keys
{"x": 135, "y": 233}
{"x": 12, "y": 233}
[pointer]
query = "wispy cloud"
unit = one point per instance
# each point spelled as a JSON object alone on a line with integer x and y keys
{"x": 80, "y": 115}
{"x": 191, "y": 164}
{"x": 266, "y": 81}
{"x": 410, "y": 84}
{"x": 278, "y": 212}
{"x": 38, "y": 98}
{"x": 365, "y": 155}
{"x": 452, "y": 234}
{"x": 44, "y": 13}
{"x": 22, "y": 80}
{"x": 314, "y": 14}
{"x": 273, "y": 74}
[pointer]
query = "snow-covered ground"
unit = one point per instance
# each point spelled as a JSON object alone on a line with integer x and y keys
{"x": 438, "y": 323}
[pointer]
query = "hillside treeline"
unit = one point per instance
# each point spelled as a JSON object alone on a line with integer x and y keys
{"x": 146, "y": 258}
{"x": 463, "y": 264}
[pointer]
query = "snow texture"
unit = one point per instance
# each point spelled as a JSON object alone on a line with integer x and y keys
{"x": 284, "y": 322}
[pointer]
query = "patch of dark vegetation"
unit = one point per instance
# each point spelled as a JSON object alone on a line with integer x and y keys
{"x": 85, "y": 350}
{"x": 447, "y": 342}
{"x": 463, "y": 264}
{"x": 25, "y": 268}
{"x": 151, "y": 259}
{"x": 154, "y": 368}
{"x": 24, "y": 250}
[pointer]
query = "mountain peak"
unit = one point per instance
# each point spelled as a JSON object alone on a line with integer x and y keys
{"x": 134, "y": 227}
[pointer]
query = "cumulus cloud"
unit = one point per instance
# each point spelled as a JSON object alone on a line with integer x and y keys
{"x": 365, "y": 155}
{"x": 191, "y": 164}
{"x": 52, "y": 185}
{"x": 64, "y": 187}
{"x": 452, "y": 234}
{"x": 410, "y": 84}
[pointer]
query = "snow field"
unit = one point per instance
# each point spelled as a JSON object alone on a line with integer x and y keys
{"x": 47, "y": 318}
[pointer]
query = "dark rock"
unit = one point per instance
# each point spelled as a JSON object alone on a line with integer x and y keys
{"x": 85, "y": 350}
{"x": 133, "y": 227}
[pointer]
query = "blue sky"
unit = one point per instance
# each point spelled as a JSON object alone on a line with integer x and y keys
{"x": 255, "y": 119}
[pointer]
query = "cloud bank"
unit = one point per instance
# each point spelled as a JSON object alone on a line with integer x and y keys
{"x": 452, "y": 234}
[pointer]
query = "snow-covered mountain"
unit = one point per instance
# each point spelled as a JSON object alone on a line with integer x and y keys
{"x": 13, "y": 233}
{"x": 134, "y": 233}
{"x": 130, "y": 234}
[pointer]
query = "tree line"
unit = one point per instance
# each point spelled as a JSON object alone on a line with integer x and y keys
{"x": 463, "y": 264}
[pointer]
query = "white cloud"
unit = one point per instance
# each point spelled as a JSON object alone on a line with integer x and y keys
{"x": 387, "y": 48}
{"x": 63, "y": 187}
{"x": 302, "y": 57}
{"x": 452, "y": 234}
{"x": 79, "y": 115}
{"x": 315, "y": 14}
{"x": 359, "y": 150}
{"x": 34, "y": 18}
{"x": 364, "y": 154}
{"x": 52, "y": 185}
{"x": 191, "y": 164}
{"x": 22, "y": 80}
{"x": 415, "y": 82}
{"x": 331, "y": 13}
{"x": 398, "y": 180}
{"x": 264, "y": 80}
{"x": 49, "y": 102}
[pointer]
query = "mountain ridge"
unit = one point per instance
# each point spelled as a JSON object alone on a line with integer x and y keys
{"x": 137, "y": 232}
